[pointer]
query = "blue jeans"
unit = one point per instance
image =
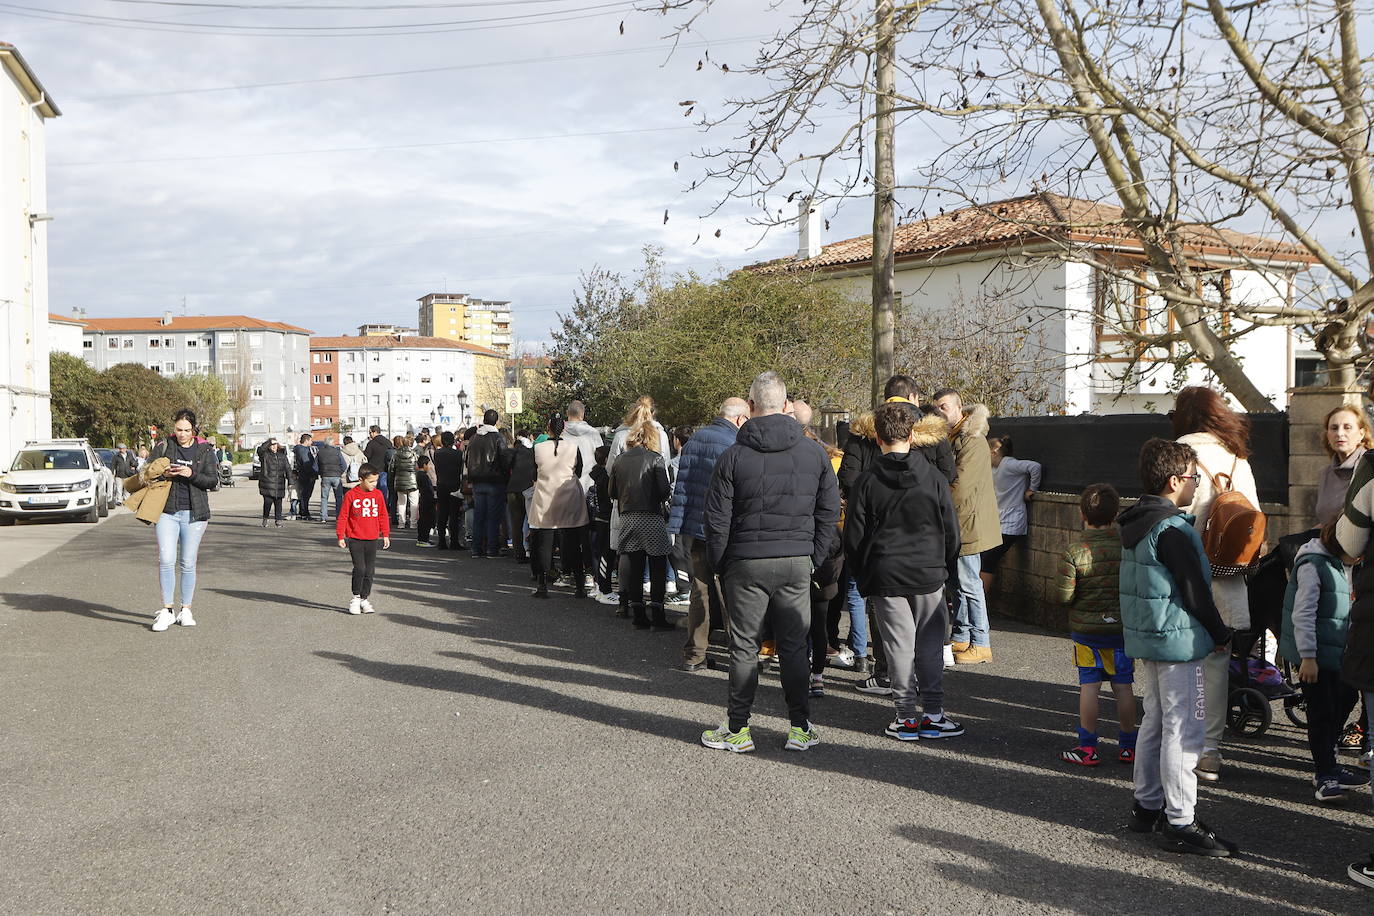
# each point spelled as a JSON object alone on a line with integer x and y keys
{"x": 383, "y": 484}
{"x": 330, "y": 486}
{"x": 489, "y": 501}
{"x": 858, "y": 618}
{"x": 178, "y": 532}
{"x": 970, "y": 604}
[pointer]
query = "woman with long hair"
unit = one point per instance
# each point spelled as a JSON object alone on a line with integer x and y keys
{"x": 559, "y": 508}
{"x": 180, "y": 527}
{"x": 1221, "y": 438}
{"x": 639, "y": 485}
{"x": 403, "y": 485}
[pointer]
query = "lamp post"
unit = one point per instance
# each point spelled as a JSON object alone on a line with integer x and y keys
{"x": 463, "y": 406}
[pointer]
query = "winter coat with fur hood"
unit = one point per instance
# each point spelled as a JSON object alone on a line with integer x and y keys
{"x": 975, "y": 498}
{"x": 861, "y": 451}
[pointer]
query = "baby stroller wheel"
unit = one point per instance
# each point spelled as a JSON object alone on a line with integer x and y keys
{"x": 1295, "y": 708}
{"x": 1248, "y": 712}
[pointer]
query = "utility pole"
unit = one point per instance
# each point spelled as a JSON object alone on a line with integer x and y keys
{"x": 884, "y": 208}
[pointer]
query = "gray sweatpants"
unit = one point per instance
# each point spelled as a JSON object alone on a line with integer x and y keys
{"x": 914, "y": 631}
{"x": 1173, "y": 727}
{"x": 777, "y": 590}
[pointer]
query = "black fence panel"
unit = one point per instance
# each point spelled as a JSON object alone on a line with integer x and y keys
{"x": 1083, "y": 450}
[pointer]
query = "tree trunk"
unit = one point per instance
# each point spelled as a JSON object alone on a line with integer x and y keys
{"x": 884, "y": 211}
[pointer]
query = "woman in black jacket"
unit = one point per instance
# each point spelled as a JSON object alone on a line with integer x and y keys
{"x": 273, "y": 477}
{"x": 639, "y": 485}
{"x": 182, "y": 524}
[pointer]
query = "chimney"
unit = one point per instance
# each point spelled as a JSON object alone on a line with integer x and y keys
{"x": 808, "y": 230}
{"x": 166, "y": 318}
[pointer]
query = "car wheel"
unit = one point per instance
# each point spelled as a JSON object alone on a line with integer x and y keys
{"x": 6, "y": 521}
{"x": 92, "y": 516}
{"x": 103, "y": 507}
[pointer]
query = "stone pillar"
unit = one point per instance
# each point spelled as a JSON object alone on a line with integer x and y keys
{"x": 1307, "y": 409}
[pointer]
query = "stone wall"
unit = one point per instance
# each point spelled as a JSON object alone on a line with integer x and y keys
{"x": 1025, "y": 585}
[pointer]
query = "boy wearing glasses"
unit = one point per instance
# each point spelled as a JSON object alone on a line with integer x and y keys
{"x": 1170, "y": 624}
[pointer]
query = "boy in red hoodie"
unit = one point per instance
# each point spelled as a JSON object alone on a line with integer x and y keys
{"x": 362, "y": 521}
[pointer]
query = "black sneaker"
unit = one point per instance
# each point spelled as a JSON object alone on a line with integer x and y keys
{"x": 1143, "y": 819}
{"x": 691, "y": 667}
{"x": 904, "y": 730}
{"x": 1362, "y": 872}
{"x": 1195, "y": 839}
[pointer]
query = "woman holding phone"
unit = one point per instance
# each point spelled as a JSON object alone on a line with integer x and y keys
{"x": 192, "y": 475}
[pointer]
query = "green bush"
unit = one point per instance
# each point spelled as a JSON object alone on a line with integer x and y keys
{"x": 243, "y": 456}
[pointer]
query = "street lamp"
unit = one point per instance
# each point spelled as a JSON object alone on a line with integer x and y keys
{"x": 463, "y": 406}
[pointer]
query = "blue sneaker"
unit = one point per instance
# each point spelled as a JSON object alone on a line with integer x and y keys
{"x": 1329, "y": 790}
{"x": 1352, "y": 779}
{"x": 904, "y": 730}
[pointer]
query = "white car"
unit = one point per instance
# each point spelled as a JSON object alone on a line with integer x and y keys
{"x": 56, "y": 477}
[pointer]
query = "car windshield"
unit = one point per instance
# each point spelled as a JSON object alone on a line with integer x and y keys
{"x": 50, "y": 459}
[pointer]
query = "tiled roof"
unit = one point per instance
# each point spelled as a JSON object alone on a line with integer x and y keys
{"x": 1036, "y": 217}
{"x": 65, "y": 319}
{"x": 191, "y": 323}
{"x": 404, "y": 342}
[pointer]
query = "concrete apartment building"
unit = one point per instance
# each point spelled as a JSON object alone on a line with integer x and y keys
{"x": 269, "y": 356}
{"x": 458, "y": 316}
{"x": 25, "y": 397}
{"x": 401, "y": 383}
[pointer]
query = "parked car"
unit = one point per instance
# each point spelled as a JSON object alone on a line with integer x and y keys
{"x": 56, "y": 477}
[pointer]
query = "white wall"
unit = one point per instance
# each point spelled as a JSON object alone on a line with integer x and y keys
{"x": 402, "y": 389}
{"x": 64, "y": 337}
{"x": 25, "y": 400}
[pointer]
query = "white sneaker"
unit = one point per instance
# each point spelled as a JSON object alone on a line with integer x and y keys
{"x": 163, "y": 620}
{"x": 355, "y": 605}
{"x": 185, "y": 619}
{"x": 949, "y": 656}
{"x": 367, "y": 607}
{"x": 607, "y": 598}
{"x": 1365, "y": 760}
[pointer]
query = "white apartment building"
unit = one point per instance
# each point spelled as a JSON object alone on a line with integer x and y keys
{"x": 25, "y": 397}
{"x": 268, "y": 356}
{"x": 65, "y": 335}
{"x": 399, "y": 383}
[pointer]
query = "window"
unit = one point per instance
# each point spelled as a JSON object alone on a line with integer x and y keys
{"x": 228, "y": 340}
{"x": 255, "y": 367}
{"x": 376, "y": 357}
{"x": 315, "y": 400}
{"x": 192, "y": 366}
{"x": 128, "y": 343}
{"x": 154, "y": 343}
{"x": 169, "y": 368}
{"x": 255, "y": 340}
{"x": 256, "y": 418}
{"x": 314, "y": 357}
{"x": 424, "y": 380}
{"x": 156, "y": 367}
{"x": 377, "y": 399}
{"x": 315, "y": 378}
{"x": 228, "y": 366}
{"x": 328, "y": 400}
{"x": 168, "y": 343}
{"x": 328, "y": 379}
{"x": 255, "y": 392}
{"x": 88, "y": 344}
{"x": 424, "y": 399}
{"x": 112, "y": 343}
{"x": 207, "y": 342}
{"x": 329, "y": 357}
{"x": 192, "y": 342}
{"x": 376, "y": 379}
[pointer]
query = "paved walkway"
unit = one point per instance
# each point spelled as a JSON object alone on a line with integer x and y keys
{"x": 470, "y": 750}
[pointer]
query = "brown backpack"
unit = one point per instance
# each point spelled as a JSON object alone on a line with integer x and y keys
{"x": 1233, "y": 537}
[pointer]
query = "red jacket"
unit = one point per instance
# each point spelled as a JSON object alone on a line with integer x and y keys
{"x": 363, "y": 515}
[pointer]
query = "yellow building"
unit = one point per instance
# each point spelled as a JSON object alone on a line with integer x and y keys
{"x": 458, "y": 316}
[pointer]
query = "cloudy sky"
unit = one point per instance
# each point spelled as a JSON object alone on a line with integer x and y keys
{"x": 521, "y": 155}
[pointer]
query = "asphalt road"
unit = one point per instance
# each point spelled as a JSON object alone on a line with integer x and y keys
{"x": 470, "y": 750}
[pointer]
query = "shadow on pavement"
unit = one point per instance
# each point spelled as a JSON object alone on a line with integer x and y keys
{"x": 62, "y": 604}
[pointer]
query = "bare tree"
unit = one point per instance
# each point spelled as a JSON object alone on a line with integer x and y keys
{"x": 238, "y": 385}
{"x": 1195, "y": 120}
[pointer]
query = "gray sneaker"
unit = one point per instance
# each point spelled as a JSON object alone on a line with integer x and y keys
{"x": 1209, "y": 766}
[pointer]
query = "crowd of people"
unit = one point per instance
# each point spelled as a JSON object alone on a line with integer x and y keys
{"x": 874, "y": 554}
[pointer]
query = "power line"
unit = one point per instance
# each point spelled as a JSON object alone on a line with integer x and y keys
{"x": 361, "y": 31}
{"x": 295, "y": 7}
{"x": 371, "y": 149}
{"x": 561, "y": 58}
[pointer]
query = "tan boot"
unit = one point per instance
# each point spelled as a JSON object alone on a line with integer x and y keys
{"x": 973, "y": 655}
{"x": 959, "y": 646}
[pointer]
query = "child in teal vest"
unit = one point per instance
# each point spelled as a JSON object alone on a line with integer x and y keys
{"x": 1316, "y": 617}
{"x": 1170, "y": 623}
{"x": 1089, "y": 583}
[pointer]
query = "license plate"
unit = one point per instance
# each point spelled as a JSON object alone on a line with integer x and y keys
{"x": 45, "y": 500}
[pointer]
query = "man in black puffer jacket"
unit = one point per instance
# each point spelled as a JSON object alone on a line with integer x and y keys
{"x": 770, "y": 520}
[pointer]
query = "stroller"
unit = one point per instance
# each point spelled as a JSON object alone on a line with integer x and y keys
{"x": 226, "y": 474}
{"x": 1254, "y": 683}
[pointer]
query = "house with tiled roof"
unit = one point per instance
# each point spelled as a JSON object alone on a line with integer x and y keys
{"x": 401, "y": 382}
{"x": 1072, "y": 275}
{"x": 269, "y": 357}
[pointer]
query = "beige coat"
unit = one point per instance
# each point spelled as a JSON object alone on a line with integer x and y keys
{"x": 148, "y": 492}
{"x": 559, "y": 501}
{"x": 975, "y": 498}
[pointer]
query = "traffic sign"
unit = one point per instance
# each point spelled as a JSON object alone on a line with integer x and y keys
{"x": 515, "y": 400}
